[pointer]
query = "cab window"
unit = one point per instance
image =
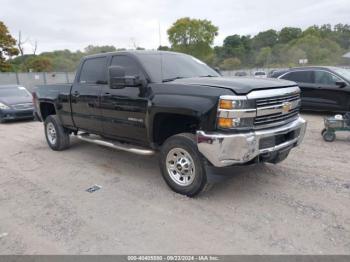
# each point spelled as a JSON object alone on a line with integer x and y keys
{"x": 94, "y": 71}
{"x": 299, "y": 76}
{"x": 130, "y": 65}
{"x": 325, "y": 78}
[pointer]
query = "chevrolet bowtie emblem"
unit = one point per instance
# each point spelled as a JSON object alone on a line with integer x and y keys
{"x": 286, "y": 107}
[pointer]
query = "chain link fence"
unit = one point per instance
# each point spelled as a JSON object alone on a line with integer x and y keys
{"x": 32, "y": 79}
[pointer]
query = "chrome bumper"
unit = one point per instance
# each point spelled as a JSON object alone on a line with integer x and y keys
{"x": 225, "y": 150}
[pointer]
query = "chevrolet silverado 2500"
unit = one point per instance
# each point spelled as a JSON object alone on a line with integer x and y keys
{"x": 145, "y": 102}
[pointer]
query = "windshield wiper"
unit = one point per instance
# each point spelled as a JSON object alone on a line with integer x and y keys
{"x": 209, "y": 76}
{"x": 172, "y": 79}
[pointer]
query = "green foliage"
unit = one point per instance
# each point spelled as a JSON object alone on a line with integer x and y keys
{"x": 288, "y": 34}
{"x": 230, "y": 63}
{"x": 7, "y": 48}
{"x": 263, "y": 58}
{"x": 319, "y": 44}
{"x": 90, "y": 50}
{"x": 265, "y": 39}
{"x": 39, "y": 64}
{"x": 192, "y": 36}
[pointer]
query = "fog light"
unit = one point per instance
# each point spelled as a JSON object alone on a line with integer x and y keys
{"x": 225, "y": 122}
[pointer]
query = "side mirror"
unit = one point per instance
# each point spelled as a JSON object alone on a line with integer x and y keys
{"x": 118, "y": 79}
{"x": 340, "y": 84}
{"x": 116, "y": 76}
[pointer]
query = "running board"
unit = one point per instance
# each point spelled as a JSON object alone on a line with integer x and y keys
{"x": 114, "y": 144}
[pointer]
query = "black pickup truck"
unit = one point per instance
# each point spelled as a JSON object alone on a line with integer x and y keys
{"x": 153, "y": 101}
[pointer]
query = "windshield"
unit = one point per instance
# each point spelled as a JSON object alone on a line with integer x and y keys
{"x": 14, "y": 92}
{"x": 171, "y": 66}
{"x": 343, "y": 72}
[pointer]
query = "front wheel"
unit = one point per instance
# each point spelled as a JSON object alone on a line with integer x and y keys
{"x": 57, "y": 136}
{"x": 329, "y": 136}
{"x": 182, "y": 165}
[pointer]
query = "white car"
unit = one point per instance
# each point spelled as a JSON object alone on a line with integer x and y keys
{"x": 260, "y": 74}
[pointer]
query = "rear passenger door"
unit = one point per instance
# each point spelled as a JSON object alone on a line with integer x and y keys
{"x": 86, "y": 92}
{"x": 305, "y": 80}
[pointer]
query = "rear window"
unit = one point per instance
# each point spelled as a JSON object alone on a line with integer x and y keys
{"x": 14, "y": 92}
{"x": 94, "y": 71}
{"x": 299, "y": 76}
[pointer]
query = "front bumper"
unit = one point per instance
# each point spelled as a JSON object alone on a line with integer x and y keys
{"x": 229, "y": 149}
{"x": 12, "y": 114}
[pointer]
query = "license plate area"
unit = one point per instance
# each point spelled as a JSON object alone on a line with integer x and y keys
{"x": 276, "y": 140}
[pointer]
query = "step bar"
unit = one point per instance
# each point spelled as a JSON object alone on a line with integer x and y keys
{"x": 116, "y": 145}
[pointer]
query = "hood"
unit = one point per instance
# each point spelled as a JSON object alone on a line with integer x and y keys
{"x": 15, "y": 100}
{"x": 239, "y": 85}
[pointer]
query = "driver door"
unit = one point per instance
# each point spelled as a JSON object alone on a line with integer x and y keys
{"x": 124, "y": 110}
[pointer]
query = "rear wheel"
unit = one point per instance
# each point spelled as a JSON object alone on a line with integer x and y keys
{"x": 329, "y": 136}
{"x": 182, "y": 165}
{"x": 57, "y": 136}
{"x": 323, "y": 131}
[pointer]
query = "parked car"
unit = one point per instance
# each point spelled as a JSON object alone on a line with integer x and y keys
{"x": 260, "y": 74}
{"x": 322, "y": 88}
{"x": 15, "y": 103}
{"x": 148, "y": 101}
{"x": 241, "y": 73}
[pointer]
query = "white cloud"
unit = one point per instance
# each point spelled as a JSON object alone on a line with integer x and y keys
{"x": 75, "y": 24}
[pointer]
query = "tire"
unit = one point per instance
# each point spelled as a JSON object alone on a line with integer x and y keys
{"x": 57, "y": 136}
{"x": 329, "y": 136}
{"x": 180, "y": 159}
{"x": 323, "y": 131}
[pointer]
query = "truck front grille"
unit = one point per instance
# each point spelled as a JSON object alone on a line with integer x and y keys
{"x": 277, "y": 110}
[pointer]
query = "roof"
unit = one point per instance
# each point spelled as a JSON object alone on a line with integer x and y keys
{"x": 9, "y": 86}
{"x": 134, "y": 52}
{"x": 312, "y": 67}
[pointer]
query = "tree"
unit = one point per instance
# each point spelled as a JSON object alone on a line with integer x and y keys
{"x": 7, "y": 48}
{"x": 91, "y": 49}
{"x": 192, "y": 36}
{"x": 264, "y": 56}
{"x": 288, "y": 34}
{"x": 39, "y": 64}
{"x": 265, "y": 39}
{"x": 230, "y": 63}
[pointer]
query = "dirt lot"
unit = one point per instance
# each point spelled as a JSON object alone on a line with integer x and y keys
{"x": 300, "y": 206}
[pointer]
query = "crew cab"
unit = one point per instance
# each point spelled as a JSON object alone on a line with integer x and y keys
{"x": 148, "y": 102}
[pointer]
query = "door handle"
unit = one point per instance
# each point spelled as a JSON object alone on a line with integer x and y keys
{"x": 107, "y": 94}
{"x": 76, "y": 94}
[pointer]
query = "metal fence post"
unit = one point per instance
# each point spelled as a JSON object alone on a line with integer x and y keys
{"x": 67, "y": 78}
{"x": 17, "y": 78}
{"x": 45, "y": 80}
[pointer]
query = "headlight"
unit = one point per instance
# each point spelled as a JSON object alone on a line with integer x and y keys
{"x": 3, "y": 106}
{"x": 235, "y": 112}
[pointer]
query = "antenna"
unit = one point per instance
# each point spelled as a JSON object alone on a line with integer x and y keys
{"x": 160, "y": 38}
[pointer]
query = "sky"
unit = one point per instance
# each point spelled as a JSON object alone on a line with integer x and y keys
{"x": 75, "y": 24}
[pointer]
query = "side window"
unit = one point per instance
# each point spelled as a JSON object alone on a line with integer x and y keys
{"x": 129, "y": 64}
{"x": 325, "y": 78}
{"x": 299, "y": 76}
{"x": 94, "y": 71}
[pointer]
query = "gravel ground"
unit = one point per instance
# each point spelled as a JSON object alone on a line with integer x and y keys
{"x": 300, "y": 206}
